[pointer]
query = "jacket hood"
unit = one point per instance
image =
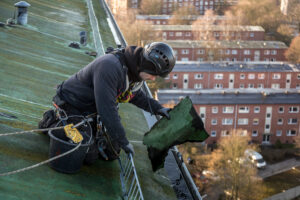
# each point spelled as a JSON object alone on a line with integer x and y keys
{"x": 133, "y": 55}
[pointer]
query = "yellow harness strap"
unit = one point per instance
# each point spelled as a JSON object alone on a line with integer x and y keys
{"x": 73, "y": 133}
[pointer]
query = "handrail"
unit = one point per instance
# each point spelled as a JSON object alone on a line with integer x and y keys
{"x": 179, "y": 160}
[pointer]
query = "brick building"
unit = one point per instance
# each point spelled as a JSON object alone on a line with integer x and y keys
{"x": 267, "y": 117}
{"x": 164, "y": 19}
{"x": 224, "y": 50}
{"x": 195, "y": 75}
{"x": 207, "y": 32}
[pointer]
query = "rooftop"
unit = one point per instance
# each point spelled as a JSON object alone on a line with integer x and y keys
{"x": 230, "y": 96}
{"x": 34, "y": 59}
{"x": 166, "y": 17}
{"x": 236, "y": 67}
{"x": 225, "y": 44}
{"x": 206, "y": 28}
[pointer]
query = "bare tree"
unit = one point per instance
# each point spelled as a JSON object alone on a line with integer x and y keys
{"x": 183, "y": 15}
{"x": 293, "y": 52}
{"x": 237, "y": 176}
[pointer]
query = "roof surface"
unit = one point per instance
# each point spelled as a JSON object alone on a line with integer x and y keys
{"x": 235, "y": 67}
{"x": 205, "y": 28}
{"x": 245, "y": 96}
{"x": 224, "y": 44}
{"x": 34, "y": 59}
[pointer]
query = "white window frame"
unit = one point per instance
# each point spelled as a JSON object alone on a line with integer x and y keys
{"x": 214, "y": 110}
{"x": 185, "y": 51}
{"x": 276, "y": 76}
{"x": 250, "y": 85}
{"x": 294, "y": 109}
{"x": 175, "y": 76}
{"x": 225, "y": 133}
{"x": 242, "y": 85}
{"x": 198, "y": 76}
{"x": 171, "y": 34}
{"x": 280, "y": 121}
{"x": 214, "y": 121}
{"x": 266, "y": 52}
{"x": 275, "y": 86}
{"x": 256, "y": 109}
{"x": 201, "y": 51}
{"x": 251, "y": 34}
{"x": 234, "y": 52}
{"x": 228, "y": 109}
{"x": 255, "y": 121}
{"x": 178, "y": 34}
{"x": 261, "y": 76}
{"x": 227, "y": 121}
{"x": 254, "y": 133}
{"x": 260, "y": 85}
{"x": 278, "y": 133}
{"x": 289, "y": 133}
{"x": 244, "y": 109}
{"x": 242, "y": 76}
{"x": 251, "y": 76}
{"x": 218, "y": 86}
{"x": 282, "y": 109}
{"x": 243, "y": 121}
{"x": 218, "y": 76}
{"x": 273, "y": 52}
{"x": 213, "y": 133}
{"x": 290, "y": 121}
{"x": 198, "y": 86}
{"x": 247, "y": 52}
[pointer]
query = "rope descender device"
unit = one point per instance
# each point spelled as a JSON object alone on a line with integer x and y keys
{"x": 73, "y": 133}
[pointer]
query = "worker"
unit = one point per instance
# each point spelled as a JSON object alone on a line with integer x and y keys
{"x": 115, "y": 78}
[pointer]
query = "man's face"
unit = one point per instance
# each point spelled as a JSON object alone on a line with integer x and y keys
{"x": 145, "y": 76}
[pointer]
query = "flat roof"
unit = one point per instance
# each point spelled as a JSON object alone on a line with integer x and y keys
{"x": 206, "y": 28}
{"x": 225, "y": 44}
{"x": 234, "y": 96}
{"x": 236, "y": 67}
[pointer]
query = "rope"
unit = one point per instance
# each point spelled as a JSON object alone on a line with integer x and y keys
{"x": 31, "y": 131}
{"x": 41, "y": 163}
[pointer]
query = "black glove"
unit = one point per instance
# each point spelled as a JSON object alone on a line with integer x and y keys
{"x": 164, "y": 112}
{"x": 128, "y": 149}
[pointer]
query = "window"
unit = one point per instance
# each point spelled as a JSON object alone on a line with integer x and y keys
{"x": 185, "y": 51}
{"x": 276, "y": 76}
{"x": 247, "y": 52}
{"x": 261, "y": 76}
{"x": 216, "y": 34}
{"x": 218, "y": 86}
{"x": 268, "y": 115}
{"x": 213, "y": 133}
{"x": 254, "y": 133}
{"x": 256, "y": 109}
{"x": 251, "y": 76}
{"x": 244, "y": 109}
{"x": 178, "y": 34}
{"x": 250, "y": 85}
{"x": 198, "y": 76}
{"x": 251, "y": 34}
{"x": 267, "y": 52}
{"x": 242, "y": 76}
{"x": 291, "y": 133}
{"x": 275, "y": 86}
{"x": 280, "y": 121}
{"x": 198, "y": 86}
{"x": 298, "y": 86}
{"x": 260, "y": 85}
{"x": 244, "y": 132}
{"x": 167, "y": 77}
{"x": 225, "y": 133}
{"x": 255, "y": 121}
{"x": 293, "y": 109}
{"x": 281, "y": 110}
{"x": 175, "y": 76}
{"x": 200, "y": 51}
{"x": 293, "y": 121}
{"x": 218, "y": 76}
{"x": 242, "y": 121}
{"x": 171, "y": 34}
{"x": 228, "y": 109}
{"x": 273, "y": 52}
{"x": 214, "y": 122}
{"x": 174, "y": 85}
{"x": 242, "y": 86}
{"x": 227, "y": 121}
{"x": 227, "y": 51}
{"x": 188, "y": 34}
{"x": 184, "y": 59}
{"x": 298, "y": 76}
{"x": 214, "y": 109}
{"x": 278, "y": 132}
{"x": 267, "y": 126}
{"x": 234, "y": 52}
{"x": 202, "y": 115}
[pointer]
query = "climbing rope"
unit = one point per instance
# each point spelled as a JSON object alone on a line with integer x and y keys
{"x": 45, "y": 161}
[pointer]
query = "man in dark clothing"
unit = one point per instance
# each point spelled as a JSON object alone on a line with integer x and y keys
{"x": 116, "y": 78}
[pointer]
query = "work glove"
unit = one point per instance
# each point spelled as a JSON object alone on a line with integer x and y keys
{"x": 129, "y": 149}
{"x": 164, "y": 112}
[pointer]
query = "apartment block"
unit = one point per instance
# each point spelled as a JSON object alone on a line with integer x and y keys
{"x": 195, "y": 75}
{"x": 207, "y": 32}
{"x": 266, "y": 117}
{"x": 225, "y": 50}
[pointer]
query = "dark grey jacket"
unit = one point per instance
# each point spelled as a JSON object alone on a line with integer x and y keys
{"x": 95, "y": 89}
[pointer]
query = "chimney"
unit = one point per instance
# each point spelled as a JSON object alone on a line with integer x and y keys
{"x": 22, "y": 12}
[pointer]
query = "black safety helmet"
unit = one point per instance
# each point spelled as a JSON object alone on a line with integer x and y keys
{"x": 158, "y": 59}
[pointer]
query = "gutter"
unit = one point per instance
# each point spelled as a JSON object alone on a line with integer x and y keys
{"x": 188, "y": 188}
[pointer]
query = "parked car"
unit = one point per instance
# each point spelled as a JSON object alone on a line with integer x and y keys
{"x": 255, "y": 158}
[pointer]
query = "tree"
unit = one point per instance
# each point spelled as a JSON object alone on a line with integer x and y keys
{"x": 293, "y": 52}
{"x": 183, "y": 15}
{"x": 159, "y": 83}
{"x": 237, "y": 175}
{"x": 151, "y": 7}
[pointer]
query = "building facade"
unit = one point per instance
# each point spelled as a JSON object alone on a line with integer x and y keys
{"x": 266, "y": 117}
{"x": 235, "y": 76}
{"x": 225, "y": 50}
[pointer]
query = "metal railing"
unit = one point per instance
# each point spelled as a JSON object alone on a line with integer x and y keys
{"x": 131, "y": 188}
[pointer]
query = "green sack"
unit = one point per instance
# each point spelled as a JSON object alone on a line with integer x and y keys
{"x": 185, "y": 125}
